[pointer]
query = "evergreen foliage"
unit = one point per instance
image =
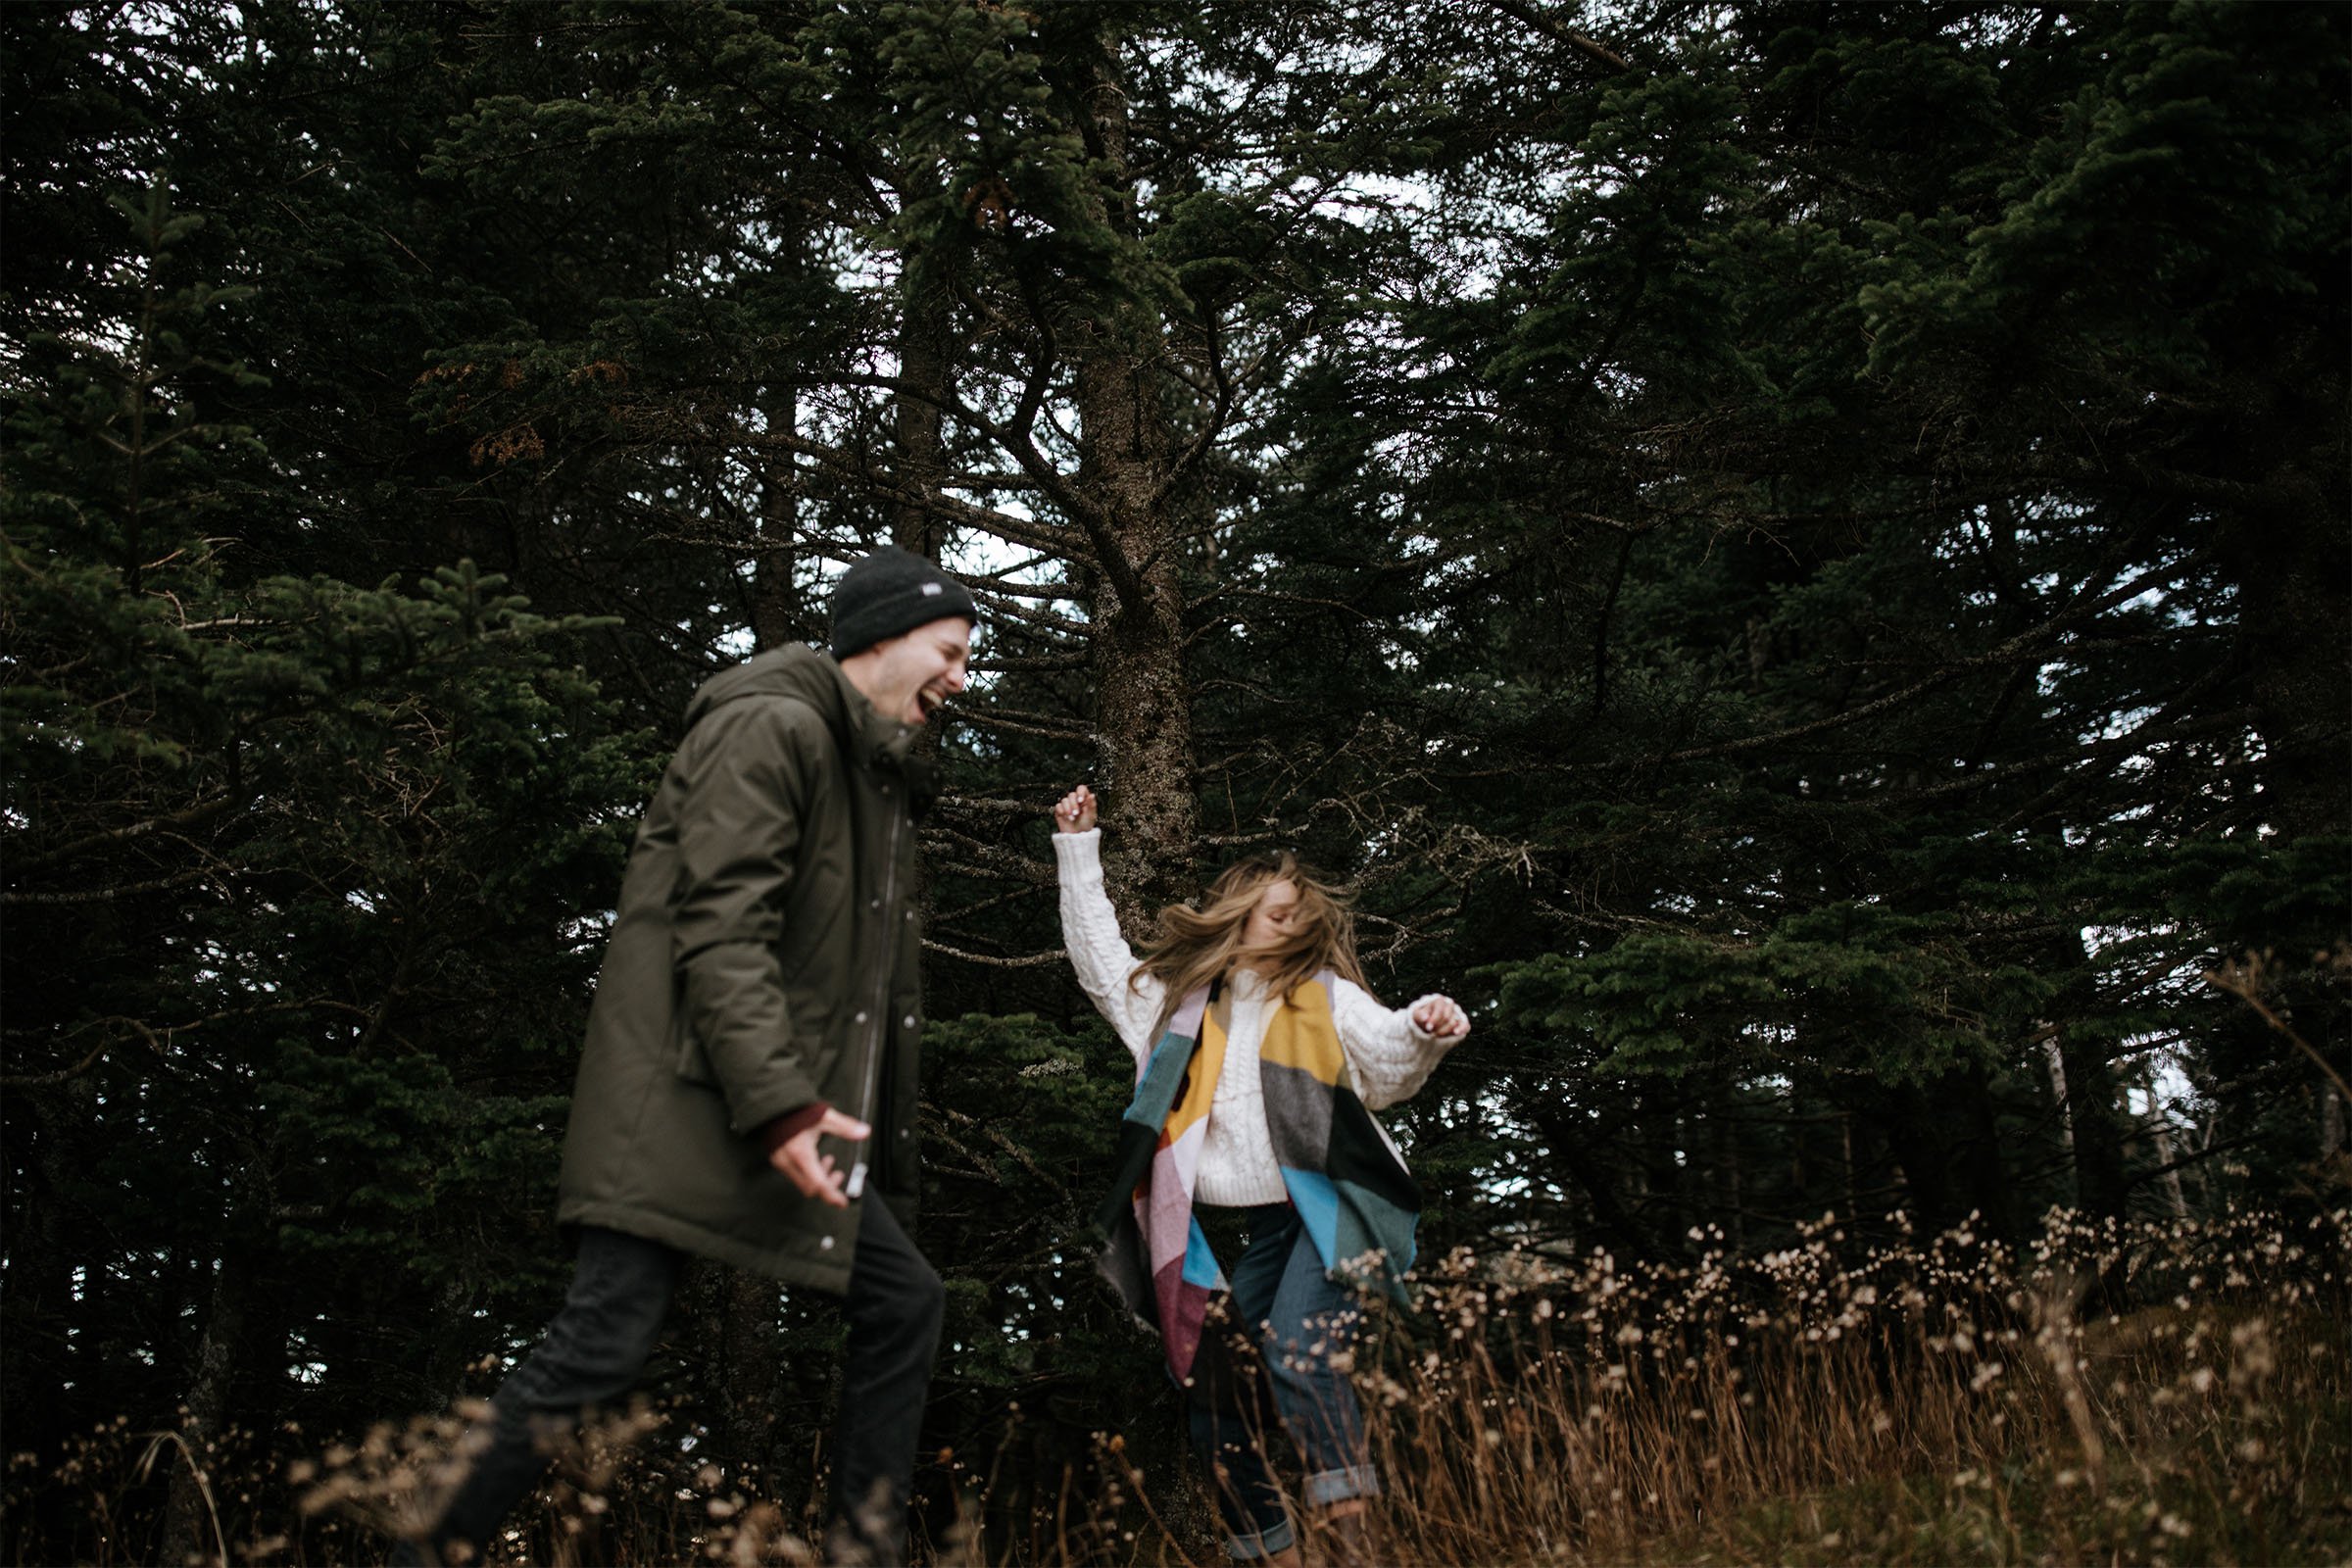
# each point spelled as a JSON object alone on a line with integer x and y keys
{"x": 1795, "y": 555}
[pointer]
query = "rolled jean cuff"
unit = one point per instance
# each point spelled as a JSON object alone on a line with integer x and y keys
{"x": 1276, "y": 1536}
{"x": 1326, "y": 1487}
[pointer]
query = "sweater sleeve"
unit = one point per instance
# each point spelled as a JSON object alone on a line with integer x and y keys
{"x": 1387, "y": 1051}
{"x": 1090, "y": 928}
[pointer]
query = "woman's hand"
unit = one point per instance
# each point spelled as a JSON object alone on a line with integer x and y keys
{"x": 1441, "y": 1016}
{"x": 1074, "y": 812}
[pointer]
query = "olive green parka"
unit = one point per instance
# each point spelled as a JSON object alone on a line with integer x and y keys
{"x": 764, "y": 958}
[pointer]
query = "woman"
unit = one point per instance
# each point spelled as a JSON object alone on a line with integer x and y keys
{"x": 1259, "y": 1056}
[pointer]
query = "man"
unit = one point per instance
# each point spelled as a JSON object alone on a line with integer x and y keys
{"x": 758, "y": 996}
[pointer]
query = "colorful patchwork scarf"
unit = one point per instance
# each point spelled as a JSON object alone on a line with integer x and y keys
{"x": 1356, "y": 1200}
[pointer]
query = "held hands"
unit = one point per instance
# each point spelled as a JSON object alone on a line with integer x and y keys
{"x": 814, "y": 1173}
{"x": 1074, "y": 812}
{"x": 1442, "y": 1016}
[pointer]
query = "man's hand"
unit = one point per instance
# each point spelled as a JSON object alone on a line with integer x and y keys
{"x": 814, "y": 1173}
{"x": 1074, "y": 812}
{"x": 1441, "y": 1016}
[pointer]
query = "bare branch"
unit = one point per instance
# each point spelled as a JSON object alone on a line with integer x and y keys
{"x": 2244, "y": 982}
{"x": 1560, "y": 34}
{"x": 1032, "y": 961}
{"x": 127, "y": 890}
{"x": 178, "y": 819}
{"x": 2080, "y": 609}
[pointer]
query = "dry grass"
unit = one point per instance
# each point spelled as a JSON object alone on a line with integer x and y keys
{"x": 1887, "y": 1405}
{"x": 1832, "y": 1402}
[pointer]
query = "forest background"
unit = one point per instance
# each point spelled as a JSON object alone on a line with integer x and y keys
{"x": 1797, "y": 557}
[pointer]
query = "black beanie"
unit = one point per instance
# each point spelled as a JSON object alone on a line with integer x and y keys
{"x": 889, "y": 594}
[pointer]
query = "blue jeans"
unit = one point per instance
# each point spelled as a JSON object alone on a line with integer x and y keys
{"x": 1294, "y": 1320}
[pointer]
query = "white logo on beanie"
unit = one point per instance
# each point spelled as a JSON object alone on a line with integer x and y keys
{"x": 931, "y": 588}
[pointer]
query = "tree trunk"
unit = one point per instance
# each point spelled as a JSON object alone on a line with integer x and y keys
{"x": 775, "y": 603}
{"x": 1922, "y": 1156}
{"x": 2160, "y": 1134}
{"x": 190, "y": 1525}
{"x": 2101, "y": 1185}
{"x": 451, "y": 1345}
{"x": 1143, "y": 723}
{"x": 1143, "y": 714}
{"x": 919, "y": 420}
{"x": 1976, "y": 1151}
{"x": 2295, "y": 640}
{"x": 732, "y": 1316}
{"x": 1846, "y": 1163}
{"x": 2057, "y": 1066}
{"x": 1728, "y": 1200}
{"x": 1577, "y": 1144}
{"x": 2295, "y": 631}
{"x": 36, "y": 1292}
{"x": 747, "y": 1373}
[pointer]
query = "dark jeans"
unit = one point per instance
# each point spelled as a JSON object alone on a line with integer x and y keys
{"x": 1296, "y": 1321}
{"x": 599, "y": 1343}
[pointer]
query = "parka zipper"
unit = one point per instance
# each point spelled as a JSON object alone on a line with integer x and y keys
{"x": 879, "y": 1016}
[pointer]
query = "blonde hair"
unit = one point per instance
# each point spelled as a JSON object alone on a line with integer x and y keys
{"x": 1200, "y": 942}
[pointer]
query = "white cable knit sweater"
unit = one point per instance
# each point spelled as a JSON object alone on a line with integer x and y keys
{"x": 1388, "y": 1057}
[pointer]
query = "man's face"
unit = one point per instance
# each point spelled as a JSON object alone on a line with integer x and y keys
{"x": 909, "y": 678}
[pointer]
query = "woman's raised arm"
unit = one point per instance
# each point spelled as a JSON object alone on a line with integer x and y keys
{"x": 1090, "y": 928}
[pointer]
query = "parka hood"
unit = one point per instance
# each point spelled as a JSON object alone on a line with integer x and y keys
{"x": 800, "y": 671}
{"x": 796, "y": 670}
